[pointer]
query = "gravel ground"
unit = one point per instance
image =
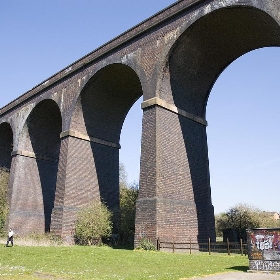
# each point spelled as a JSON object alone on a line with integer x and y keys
{"x": 242, "y": 276}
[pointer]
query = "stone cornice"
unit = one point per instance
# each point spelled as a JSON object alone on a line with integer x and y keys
{"x": 33, "y": 155}
{"x": 172, "y": 108}
{"x": 78, "y": 135}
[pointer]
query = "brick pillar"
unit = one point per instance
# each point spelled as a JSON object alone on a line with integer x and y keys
{"x": 175, "y": 199}
{"x": 31, "y": 192}
{"x": 26, "y": 213}
{"x": 87, "y": 171}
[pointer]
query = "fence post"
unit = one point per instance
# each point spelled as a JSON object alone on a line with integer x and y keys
{"x": 190, "y": 246}
{"x": 173, "y": 247}
{"x": 241, "y": 246}
{"x": 209, "y": 246}
{"x": 228, "y": 247}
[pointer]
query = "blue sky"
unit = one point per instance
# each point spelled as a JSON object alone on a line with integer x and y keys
{"x": 39, "y": 38}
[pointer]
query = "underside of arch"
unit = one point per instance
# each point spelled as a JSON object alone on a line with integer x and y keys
{"x": 206, "y": 48}
{"x": 6, "y": 145}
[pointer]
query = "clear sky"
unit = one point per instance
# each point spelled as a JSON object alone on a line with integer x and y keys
{"x": 39, "y": 38}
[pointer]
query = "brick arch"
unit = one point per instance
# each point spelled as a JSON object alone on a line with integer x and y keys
{"x": 36, "y": 166}
{"x": 6, "y": 145}
{"x": 105, "y": 101}
{"x": 209, "y": 45}
{"x": 91, "y": 146}
{"x": 197, "y": 59}
{"x": 42, "y": 128}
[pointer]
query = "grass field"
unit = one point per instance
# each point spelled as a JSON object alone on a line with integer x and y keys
{"x": 77, "y": 262}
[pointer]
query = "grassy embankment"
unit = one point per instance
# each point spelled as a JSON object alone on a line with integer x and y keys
{"x": 77, "y": 262}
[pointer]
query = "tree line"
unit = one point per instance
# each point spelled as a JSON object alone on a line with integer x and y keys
{"x": 243, "y": 216}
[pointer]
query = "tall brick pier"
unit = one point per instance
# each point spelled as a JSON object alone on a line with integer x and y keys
{"x": 60, "y": 140}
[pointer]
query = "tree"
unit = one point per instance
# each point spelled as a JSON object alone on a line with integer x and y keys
{"x": 93, "y": 223}
{"x": 4, "y": 208}
{"x": 267, "y": 220}
{"x": 128, "y": 196}
{"x": 239, "y": 218}
{"x": 122, "y": 176}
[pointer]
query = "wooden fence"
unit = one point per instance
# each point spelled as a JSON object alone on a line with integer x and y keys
{"x": 194, "y": 247}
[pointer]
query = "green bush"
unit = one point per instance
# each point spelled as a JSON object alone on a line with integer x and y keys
{"x": 93, "y": 222}
{"x": 146, "y": 244}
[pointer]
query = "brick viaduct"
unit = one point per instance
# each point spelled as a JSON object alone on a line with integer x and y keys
{"x": 60, "y": 140}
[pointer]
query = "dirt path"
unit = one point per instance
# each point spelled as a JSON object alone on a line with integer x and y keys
{"x": 241, "y": 276}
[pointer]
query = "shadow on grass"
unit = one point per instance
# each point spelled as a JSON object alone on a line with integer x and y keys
{"x": 239, "y": 268}
{"x": 123, "y": 247}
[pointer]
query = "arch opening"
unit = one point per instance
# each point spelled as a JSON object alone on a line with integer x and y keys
{"x": 210, "y": 45}
{"x": 243, "y": 110}
{"x": 130, "y": 141}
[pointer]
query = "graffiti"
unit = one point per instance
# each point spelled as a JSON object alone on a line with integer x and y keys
{"x": 264, "y": 242}
{"x": 271, "y": 255}
{"x": 264, "y": 249}
{"x": 256, "y": 255}
{"x": 265, "y": 265}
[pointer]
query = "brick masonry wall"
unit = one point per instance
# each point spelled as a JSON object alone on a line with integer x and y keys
{"x": 177, "y": 211}
{"x": 90, "y": 172}
{"x": 145, "y": 220}
{"x": 26, "y": 208}
{"x": 35, "y": 171}
{"x": 77, "y": 184}
{"x": 168, "y": 56}
{"x": 176, "y": 201}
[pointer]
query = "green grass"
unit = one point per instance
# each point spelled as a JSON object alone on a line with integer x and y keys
{"x": 77, "y": 262}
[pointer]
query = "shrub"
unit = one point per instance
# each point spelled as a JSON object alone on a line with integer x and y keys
{"x": 146, "y": 244}
{"x": 93, "y": 223}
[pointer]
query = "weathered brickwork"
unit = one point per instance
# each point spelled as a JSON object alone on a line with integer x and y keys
{"x": 27, "y": 207}
{"x": 34, "y": 184}
{"x": 77, "y": 184}
{"x": 61, "y": 139}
